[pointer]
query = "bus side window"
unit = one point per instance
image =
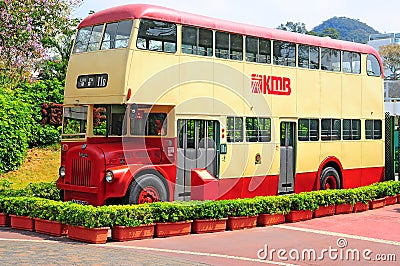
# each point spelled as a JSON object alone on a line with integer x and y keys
{"x": 156, "y": 124}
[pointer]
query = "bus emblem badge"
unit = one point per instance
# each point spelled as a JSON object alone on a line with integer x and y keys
{"x": 263, "y": 84}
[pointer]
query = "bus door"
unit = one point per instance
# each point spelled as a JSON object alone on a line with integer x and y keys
{"x": 197, "y": 148}
{"x": 288, "y": 157}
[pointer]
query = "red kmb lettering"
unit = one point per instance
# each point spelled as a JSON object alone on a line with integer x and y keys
{"x": 263, "y": 84}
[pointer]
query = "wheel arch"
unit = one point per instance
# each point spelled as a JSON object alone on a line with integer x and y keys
{"x": 330, "y": 162}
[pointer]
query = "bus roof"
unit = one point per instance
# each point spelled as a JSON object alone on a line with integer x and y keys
{"x": 137, "y": 11}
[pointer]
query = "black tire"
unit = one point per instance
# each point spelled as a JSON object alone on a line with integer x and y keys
{"x": 330, "y": 179}
{"x": 145, "y": 188}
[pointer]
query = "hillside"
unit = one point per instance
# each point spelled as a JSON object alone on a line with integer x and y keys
{"x": 349, "y": 29}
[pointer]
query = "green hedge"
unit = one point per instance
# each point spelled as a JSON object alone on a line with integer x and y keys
{"x": 46, "y": 190}
{"x": 133, "y": 215}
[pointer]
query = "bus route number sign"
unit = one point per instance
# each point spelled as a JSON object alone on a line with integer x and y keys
{"x": 92, "y": 81}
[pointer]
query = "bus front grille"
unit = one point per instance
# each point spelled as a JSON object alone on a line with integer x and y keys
{"x": 81, "y": 170}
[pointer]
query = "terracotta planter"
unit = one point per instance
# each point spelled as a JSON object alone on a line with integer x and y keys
{"x": 390, "y": 200}
{"x": 22, "y": 222}
{"x": 52, "y": 228}
{"x": 360, "y": 207}
{"x": 88, "y": 235}
{"x": 343, "y": 208}
{"x": 296, "y": 216}
{"x": 126, "y": 233}
{"x": 237, "y": 223}
{"x": 398, "y": 199}
{"x": 5, "y": 220}
{"x": 173, "y": 229}
{"x": 324, "y": 211}
{"x": 377, "y": 203}
{"x": 270, "y": 219}
{"x": 209, "y": 226}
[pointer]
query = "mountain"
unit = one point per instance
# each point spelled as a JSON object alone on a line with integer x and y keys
{"x": 349, "y": 29}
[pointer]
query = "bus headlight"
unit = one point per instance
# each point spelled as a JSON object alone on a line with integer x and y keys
{"x": 109, "y": 176}
{"x": 61, "y": 171}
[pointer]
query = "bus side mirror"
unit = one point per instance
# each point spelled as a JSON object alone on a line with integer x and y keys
{"x": 133, "y": 112}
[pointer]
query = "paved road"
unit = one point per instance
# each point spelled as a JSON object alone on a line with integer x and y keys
{"x": 365, "y": 238}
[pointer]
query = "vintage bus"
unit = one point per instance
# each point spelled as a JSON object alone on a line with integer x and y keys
{"x": 163, "y": 105}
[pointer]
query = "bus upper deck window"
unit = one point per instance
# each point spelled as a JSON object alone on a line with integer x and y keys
{"x": 87, "y": 38}
{"x": 373, "y": 66}
{"x": 117, "y": 35}
{"x": 157, "y": 36}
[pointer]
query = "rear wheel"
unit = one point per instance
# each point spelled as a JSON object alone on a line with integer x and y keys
{"x": 146, "y": 189}
{"x": 330, "y": 178}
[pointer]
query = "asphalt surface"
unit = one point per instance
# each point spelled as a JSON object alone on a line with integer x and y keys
{"x": 366, "y": 238}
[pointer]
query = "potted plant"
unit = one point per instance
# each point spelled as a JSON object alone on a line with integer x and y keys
{"x": 87, "y": 223}
{"x": 345, "y": 201}
{"x": 326, "y": 199}
{"x": 209, "y": 216}
{"x": 131, "y": 222}
{"x": 48, "y": 216}
{"x": 302, "y": 207}
{"x": 20, "y": 209}
{"x": 378, "y": 196}
{"x": 363, "y": 195}
{"x": 4, "y": 217}
{"x": 242, "y": 213}
{"x": 171, "y": 218}
{"x": 390, "y": 192}
{"x": 272, "y": 209}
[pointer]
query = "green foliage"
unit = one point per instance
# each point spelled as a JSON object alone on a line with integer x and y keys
{"x": 41, "y": 190}
{"x": 131, "y": 215}
{"x": 14, "y": 131}
{"x": 215, "y": 210}
{"x": 171, "y": 211}
{"x": 349, "y": 29}
{"x": 21, "y": 206}
{"x": 241, "y": 207}
{"x": 49, "y": 210}
{"x": 303, "y": 201}
{"x": 325, "y": 197}
{"x": 273, "y": 204}
{"x": 88, "y": 216}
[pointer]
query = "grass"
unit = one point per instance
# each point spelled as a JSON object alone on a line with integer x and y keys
{"x": 40, "y": 165}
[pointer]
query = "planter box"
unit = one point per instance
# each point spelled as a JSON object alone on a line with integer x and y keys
{"x": 52, "y": 228}
{"x": 237, "y": 223}
{"x": 398, "y": 199}
{"x": 324, "y": 211}
{"x": 361, "y": 207}
{"x": 126, "y": 233}
{"x": 5, "y": 220}
{"x": 296, "y": 216}
{"x": 270, "y": 219}
{"x": 390, "y": 200}
{"x": 88, "y": 235}
{"x": 22, "y": 222}
{"x": 209, "y": 226}
{"x": 377, "y": 203}
{"x": 343, "y": 208}
{"x": 173, "y": 229}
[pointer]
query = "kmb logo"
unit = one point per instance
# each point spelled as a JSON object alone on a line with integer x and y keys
{"x": 264, "y": 84}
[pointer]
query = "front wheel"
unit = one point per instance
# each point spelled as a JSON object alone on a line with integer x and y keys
{"x": 330, "y": 178}
{"x": 146, "y": 189}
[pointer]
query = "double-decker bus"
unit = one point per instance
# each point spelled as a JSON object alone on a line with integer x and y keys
{"x": 163, "y": 105}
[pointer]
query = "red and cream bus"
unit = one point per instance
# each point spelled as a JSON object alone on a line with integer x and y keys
{"x": 163, "y": 105}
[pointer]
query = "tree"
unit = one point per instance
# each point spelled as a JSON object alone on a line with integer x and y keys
{"x": 330, "y": 32}
{"x": 298, "y": 27}
{"x": 391, "y": 58}
{"x": 25, "y": 27}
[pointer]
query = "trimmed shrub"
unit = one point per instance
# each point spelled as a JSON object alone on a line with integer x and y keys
{"x": 273, "y": 204}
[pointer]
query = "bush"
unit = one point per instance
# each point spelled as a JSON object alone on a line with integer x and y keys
{"x": 131, "y": 215}
{"x": 171, "y": 211}
{"x": 303, "y": 201}
{"x": 273, "y": 204}
{"x": 215, "y": 210}
{"x": 240, "y": 207}
{"x": 41, "y": 190}
{"x": 87, "y": 216}
{"x": 21, "y": 206}
{"x": 15, "y": 121}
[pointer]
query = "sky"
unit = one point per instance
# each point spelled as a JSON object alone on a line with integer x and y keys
{"x": 383, "y": 16}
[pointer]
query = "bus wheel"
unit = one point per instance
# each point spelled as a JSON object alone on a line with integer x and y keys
{"x": 330, "y": 178}
{"x": 146, "y": 189}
